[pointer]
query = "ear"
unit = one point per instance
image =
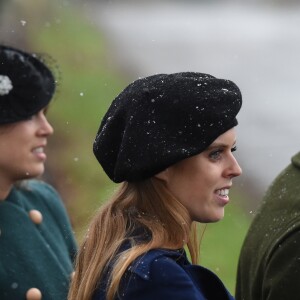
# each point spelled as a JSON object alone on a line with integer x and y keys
{"x": 163, "y": 175}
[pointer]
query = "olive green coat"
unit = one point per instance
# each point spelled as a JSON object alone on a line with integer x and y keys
{"x": 269, "y": 265}
{"x": 35, "y": 255}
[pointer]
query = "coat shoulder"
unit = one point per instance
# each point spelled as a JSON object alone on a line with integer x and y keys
{"x": 296, "y": 160}
{"x": 151, "y": 263}
{"x": 44, "y": 197}
{"x": 167, "y": 274}
{"x": 42, "y": 190}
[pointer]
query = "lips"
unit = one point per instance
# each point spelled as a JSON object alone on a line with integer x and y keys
{"x": 222, "y": 196}
{"x": 39, "y": 152}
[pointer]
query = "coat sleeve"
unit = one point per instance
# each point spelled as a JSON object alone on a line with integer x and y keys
{"x": 281, "y": 279}
{"x": 164, "y": 280}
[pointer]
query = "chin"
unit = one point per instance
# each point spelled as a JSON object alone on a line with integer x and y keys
{"x": 32, "y": 173}
{"x": 217, "y": 219}
{"x": 211, "y": 219}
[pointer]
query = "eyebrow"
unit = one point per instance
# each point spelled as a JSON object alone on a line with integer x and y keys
{"x": 219, "y": 145}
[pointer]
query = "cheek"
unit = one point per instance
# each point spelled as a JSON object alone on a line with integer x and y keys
{"x": 187, "y": 188}
{"x": 201, "y": 188}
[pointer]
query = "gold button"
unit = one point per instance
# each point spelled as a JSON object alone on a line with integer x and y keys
{"x": 72, "y": 275}
{"x": 35, "y": 216}
{"x": 33, "y": 294}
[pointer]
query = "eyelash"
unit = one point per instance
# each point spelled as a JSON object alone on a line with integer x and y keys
{"x": 215, "y": 155}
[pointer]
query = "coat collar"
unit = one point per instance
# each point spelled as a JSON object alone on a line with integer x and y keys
{"x": 296, "y": 160}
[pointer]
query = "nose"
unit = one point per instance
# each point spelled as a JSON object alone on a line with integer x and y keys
{"x": 45, "y": 129}
{"x": 233, "y": 169}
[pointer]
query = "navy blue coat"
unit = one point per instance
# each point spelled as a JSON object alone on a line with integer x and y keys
{"x": 167, "y": 274}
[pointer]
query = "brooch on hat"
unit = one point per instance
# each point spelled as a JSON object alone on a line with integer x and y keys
{"x": 5, "y": 85}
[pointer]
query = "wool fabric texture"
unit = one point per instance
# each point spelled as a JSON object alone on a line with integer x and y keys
{"x": 26, "y": 85}
{"x": 161, "y": 119}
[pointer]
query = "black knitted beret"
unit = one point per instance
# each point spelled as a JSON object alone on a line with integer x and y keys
{"x": 159, "y": 120}
{"x": 26, "y": 85}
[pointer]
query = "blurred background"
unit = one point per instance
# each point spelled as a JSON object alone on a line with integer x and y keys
{"x": 98, "y": 47}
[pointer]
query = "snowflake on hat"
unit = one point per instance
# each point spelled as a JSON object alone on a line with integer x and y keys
{"x": 5, "y": 85}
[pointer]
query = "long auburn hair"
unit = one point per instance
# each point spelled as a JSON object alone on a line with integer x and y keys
{"x": 146, "y": 205}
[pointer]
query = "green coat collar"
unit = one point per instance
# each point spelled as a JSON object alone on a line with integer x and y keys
{"x": 296, "y": 160}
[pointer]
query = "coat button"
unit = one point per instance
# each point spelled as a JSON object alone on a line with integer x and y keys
{"x": 35, "y": 216}
{"x": 33, "y": 294}
{"x": 72, "y": 275}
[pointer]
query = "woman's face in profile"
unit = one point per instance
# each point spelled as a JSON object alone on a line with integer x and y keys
{"x": 22, "y": 147}
{"x": 202, "y": 182}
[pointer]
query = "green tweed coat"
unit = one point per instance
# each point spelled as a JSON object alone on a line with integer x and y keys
{"x": 35, "y": 255}
{"x": 269, "y": 265}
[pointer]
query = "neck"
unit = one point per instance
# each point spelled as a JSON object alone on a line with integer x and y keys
{"x": 5, "y": 188}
